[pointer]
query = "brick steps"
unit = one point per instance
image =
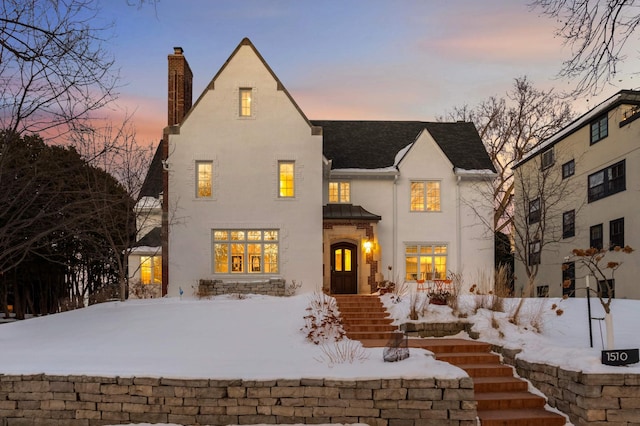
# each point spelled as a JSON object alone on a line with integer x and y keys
{"x": 503, "y": 400}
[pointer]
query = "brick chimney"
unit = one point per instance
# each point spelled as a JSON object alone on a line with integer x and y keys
{"x": 180, "y": 87}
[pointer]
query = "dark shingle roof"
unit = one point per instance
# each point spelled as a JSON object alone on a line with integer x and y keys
{"x": 347, "y": 211}
{"x": 152, "y": 239}
{"x": 152, "y": 186}
{"x": 374, "y": 144}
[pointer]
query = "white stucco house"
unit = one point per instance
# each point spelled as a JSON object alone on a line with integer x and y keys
{"x": 255, "y": 194}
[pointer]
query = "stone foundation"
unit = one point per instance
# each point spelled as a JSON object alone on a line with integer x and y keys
{"x": 87, "y": 401}
{"x": 269, "y": 287}
{"x": 588, "y": 399}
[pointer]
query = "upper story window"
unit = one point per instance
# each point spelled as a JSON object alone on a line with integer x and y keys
{"x": 548, "y": 158}
{"x": 595, "y": 236}
{"x": 246, "y": 94}
{"x": 569, "y": 224}
{"x": 425, "y": 196}
{"x": 204, "y": 179}
{"x": 286, "y": 179}
{"x": 534, "y": 253}
{"x": 616, "y": 233}
{"x": 568, "y": 169}
{"x": 599, "y": 128}
{"x": 339, "y": 192}
{"x": 607, "y": 181}
{"x": 245, "y": 251}
{"x": 534, "y": 211}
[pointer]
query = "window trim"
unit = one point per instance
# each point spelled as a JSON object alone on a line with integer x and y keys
{"x": 547, "y": 159}
{"x": 424, "y": 206}
{"x": 534, "y": 215}
{"x": 597, "y": 123}
{"x": 242, "y": 107}
{"x": 598, "y": 242}
{"x": 535, "y": 249}
{"x": 569, "y": 227}
{"x": 282, "y": 188}
{"x": 246, "y": 259}
{"x": 340, "y": 191}
{"x": 609, "y": 185}
{"x": 618, "y": 235}
{"x": 568, "y": 169}
{"x": 433, "y": 254}
{"x": 197, "y": 177}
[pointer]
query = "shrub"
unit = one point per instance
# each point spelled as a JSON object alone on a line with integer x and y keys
{"x": 322, "y": 323}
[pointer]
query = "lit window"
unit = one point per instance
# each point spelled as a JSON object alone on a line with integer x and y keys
{"x": 425, "y": 196}
{"x": 426, "y": 262}
{"x": 245, "y": 102}
{"x": 151, "y": 269}
{"x": 599, "y": 129}
{"x": 286, "y": 178}
{"x": 339, "y": 192}
{"x": 204, "y": 175}
{"x": 245, "y": 251}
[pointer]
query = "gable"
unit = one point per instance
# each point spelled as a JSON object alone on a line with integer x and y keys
{"x": 375, "y": 144}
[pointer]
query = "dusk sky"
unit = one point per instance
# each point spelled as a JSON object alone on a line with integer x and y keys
{"x": 345, "y": 59}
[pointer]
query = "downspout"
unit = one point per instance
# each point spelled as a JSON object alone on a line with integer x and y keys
{"x": 458, "y": 230}
{"x": 395, "y": 225}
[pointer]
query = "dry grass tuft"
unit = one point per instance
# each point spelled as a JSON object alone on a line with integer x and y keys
{"x": 346, "y": 351}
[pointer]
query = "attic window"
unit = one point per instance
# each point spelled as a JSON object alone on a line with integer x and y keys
{"x": 245, "y": 102}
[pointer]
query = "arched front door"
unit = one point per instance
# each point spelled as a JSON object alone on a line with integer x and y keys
{"x": 344, "y": 268}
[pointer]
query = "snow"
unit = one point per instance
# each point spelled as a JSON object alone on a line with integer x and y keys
{"x": 543, "y": 335}
{"x": 260, "y": 338}
{"x": 255, "y": 338}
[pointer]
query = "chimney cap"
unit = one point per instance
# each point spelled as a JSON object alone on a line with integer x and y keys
{"x": 178, "y": 50}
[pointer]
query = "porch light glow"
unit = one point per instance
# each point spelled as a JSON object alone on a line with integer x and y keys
{"x": 367, "y": 246}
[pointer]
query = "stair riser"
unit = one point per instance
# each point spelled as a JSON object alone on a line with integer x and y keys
{"x": 488, "y": 372}
{"x": 501, "y": 387}
{"x": 370, "y": 335}
{"x": 356, "y": 328}
{"x": 528, "y": 421}
{"x": 506, "y": 404}
{"x": 367, "y": 321}
{"x": 470, "y": 359}
{"x": 442, "y": 350}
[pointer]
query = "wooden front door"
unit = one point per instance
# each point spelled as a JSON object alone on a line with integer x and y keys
{"x": 344, "y": 268}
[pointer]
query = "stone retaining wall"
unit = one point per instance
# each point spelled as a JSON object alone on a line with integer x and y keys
{"x": 39, "y": 400}
{"x": 588, "y": 399}
{"x": 425, "y": 329}
{"x": 269, "y": 287}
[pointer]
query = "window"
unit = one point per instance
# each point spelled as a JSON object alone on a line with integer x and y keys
{"x": 607, "y": 288}
{"x": 426, "y": 262}
{"x": 595, "y": 236}
{"x": 542, "y": 291}
{"x": 245, "y": 251}
{"x": 151, "y": 269}
{"x": 568, "y": 169}
{"x": 534, "y": 210}
{"x": 599, "y": 129}
{"x": 608, "y": 181}
{"x": 616, "y": 233}
{"x": 569, "y": 279}
{"x": 339, "y": 192}
{"x": 569, "y": 224}
{"x": 286, "y": 179}
{"x": 204, "y": 176}
{"x": 425, "y": 196}
{"x": 245, "y": 102}
{"x": 534, "y": 253}
{"x": 548, "y": 158}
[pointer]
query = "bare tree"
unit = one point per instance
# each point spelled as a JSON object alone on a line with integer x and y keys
{"x": 598, "y": 33}
{"x": 54, "y": 70}
{"x": 510, "y": 128}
